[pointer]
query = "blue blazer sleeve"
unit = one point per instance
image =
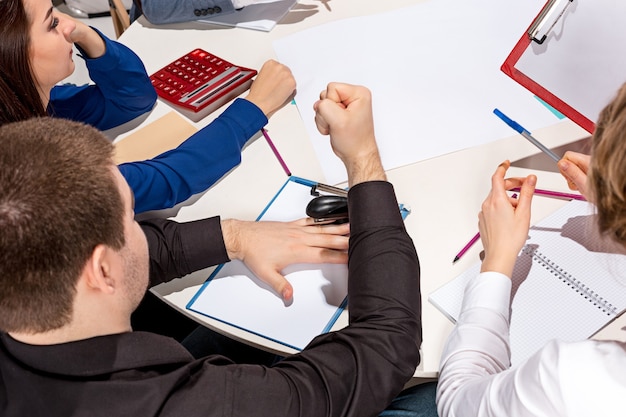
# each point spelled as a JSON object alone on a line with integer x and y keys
{"x": 172, "y": 11}
{"x": 197, "y": 163}
{"x": 122, "y": 90}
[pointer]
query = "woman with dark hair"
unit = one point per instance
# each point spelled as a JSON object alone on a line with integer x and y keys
{"x": 36, "y": 54}
{"x": 36, "y": 44}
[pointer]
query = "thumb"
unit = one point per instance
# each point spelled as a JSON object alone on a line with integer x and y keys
{"x": 326, "y": 114}
{"x": 527, "y": 191}
{"x": 278, "y": 283}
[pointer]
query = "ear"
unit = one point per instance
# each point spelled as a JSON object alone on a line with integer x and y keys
{"x": 98, "y": 271}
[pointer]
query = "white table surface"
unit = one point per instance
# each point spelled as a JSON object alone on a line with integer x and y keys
{"x": 444, "y": 193}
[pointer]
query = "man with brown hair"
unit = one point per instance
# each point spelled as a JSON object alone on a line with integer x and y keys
{"x": 74, "y": 265}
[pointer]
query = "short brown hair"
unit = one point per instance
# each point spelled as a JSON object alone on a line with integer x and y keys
{"x": 607, "y": 173}
{"x": 58, "y": 201}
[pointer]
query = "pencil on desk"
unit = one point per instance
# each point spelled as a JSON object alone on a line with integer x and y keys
{"x": 280, "y": 158}
{"x": 466, "y": 247}
{"x": 473, "y": 240}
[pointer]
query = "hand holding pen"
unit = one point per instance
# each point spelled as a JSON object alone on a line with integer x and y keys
{"x": 574, "y": 167}
{"x": 504, "y": 221}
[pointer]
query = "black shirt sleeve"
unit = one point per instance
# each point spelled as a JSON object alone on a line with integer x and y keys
{"x": 177, "y": 249}
{"x": 355, "y": 371}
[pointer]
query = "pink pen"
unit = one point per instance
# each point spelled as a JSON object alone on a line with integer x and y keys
{"x": 473, "y": 240}
{"x": 280, "y": 158}
{"x": 466, "y": 247}
{"x": 556, "y": 194}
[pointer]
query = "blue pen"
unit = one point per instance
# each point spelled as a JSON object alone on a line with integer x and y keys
{"x": 525, "y": 133}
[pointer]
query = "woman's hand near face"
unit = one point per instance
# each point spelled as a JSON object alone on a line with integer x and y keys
{"x": 79, "y": 33}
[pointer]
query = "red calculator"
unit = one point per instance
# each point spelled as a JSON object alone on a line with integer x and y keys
{"x": 199, "y": 82}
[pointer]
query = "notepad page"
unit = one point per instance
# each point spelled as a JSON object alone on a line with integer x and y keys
{"x": 235, "y": 296}
{"x": 544, "y": 305}
{"x": 570, "y": 239}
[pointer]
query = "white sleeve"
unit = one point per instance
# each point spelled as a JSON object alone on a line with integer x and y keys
{"x": 580, "y": 379}
{"x": 475, "y": 379}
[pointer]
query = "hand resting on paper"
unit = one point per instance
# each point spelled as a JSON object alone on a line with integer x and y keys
{"x": 504, "y": 221}
{"x": 574, "y": 167}
{"x": 267, "y": 247}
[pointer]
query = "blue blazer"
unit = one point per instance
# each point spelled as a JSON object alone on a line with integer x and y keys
{"x": 122, "y": 91}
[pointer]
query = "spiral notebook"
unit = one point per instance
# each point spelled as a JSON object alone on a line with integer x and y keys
{"x": 568, "y": 282}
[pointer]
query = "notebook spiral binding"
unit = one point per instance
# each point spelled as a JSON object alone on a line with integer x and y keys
{"x": 572, "y": 282}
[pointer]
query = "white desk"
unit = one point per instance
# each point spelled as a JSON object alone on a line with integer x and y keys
{"x": 444, "y": 193}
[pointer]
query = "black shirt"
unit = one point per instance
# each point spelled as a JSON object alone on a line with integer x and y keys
{"x": 356, "y": 371}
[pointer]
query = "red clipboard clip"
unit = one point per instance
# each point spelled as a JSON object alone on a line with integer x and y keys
{"x": 547, "y": 19}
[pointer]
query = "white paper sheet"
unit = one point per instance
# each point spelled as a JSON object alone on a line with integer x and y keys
{"x": 434, "y": 72}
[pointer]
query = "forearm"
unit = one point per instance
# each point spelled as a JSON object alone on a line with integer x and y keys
{"x": 92, "y": 45}
{"x": 477, "y": 349}
{"x": 121, "y": 91}
{"x": 384, "y": 292}
{"x": 357, "y": 370}
{"x": 178, "y": 249}
{"x": 123, "y": 81}
{"x": 197, "y": 163}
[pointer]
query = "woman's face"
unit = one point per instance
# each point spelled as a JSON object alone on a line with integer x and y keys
{"x": 50, "y": 48}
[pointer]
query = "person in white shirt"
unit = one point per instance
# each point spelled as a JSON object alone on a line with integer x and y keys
{"x": 584, "y": 378}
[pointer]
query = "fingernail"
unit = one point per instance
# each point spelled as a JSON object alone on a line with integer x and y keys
{"x": 563, "y": 165}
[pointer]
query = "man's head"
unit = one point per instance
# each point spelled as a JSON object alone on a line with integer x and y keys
{"x": 65, "y": 213}
{"x": 607, "y": 173}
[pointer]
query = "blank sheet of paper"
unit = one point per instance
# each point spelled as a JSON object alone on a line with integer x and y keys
{"x": 434, "y": 72}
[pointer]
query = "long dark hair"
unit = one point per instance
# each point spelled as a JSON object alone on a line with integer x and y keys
{"x": 19, "y": 96}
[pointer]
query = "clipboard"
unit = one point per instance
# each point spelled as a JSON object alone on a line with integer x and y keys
{"x": 570, "y": 57}
{"x": 235, "y": 296}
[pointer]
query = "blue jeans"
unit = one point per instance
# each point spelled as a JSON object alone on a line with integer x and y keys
{"x": 416, "y": 401}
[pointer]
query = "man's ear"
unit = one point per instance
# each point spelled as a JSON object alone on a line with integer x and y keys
{"x": 98, "y": 270}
